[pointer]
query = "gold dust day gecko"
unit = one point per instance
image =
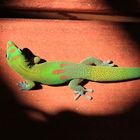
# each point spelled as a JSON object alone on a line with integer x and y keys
{"x": 59, "y": 72}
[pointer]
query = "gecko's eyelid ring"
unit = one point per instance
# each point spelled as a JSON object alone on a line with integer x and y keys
{"x": 7, "y": 56}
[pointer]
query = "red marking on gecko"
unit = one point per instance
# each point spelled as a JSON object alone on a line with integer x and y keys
{"x": 62, "y": 65}
{"x": 13, "y": 50}
{"x": 10, "y": 45}
{"x": 15, "y": 58}
{"x": 63, "y": 77}
{"x": 57, "y": 71}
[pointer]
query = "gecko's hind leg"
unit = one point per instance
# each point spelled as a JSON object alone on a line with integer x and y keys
{"x": 78, "y": 89}
{"x": 74, "y": 84}
{"x": 97, "y": 62}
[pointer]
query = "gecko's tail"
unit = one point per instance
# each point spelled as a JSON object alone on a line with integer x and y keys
{"x": 108, "y": 74}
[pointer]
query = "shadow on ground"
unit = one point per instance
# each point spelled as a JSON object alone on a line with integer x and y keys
{"x": 129, "y": 7}
{"x": 125, "y": 7}
{"x": 16, "y": 124}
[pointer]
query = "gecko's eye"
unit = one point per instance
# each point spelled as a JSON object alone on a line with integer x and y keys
{"x": 7, "y": 56}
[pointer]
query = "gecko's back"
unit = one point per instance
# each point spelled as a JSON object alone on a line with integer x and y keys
{"x": 59, "y": 72}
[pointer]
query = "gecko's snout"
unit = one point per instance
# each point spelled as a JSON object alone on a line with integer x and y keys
{"x": 12, "y": 49}
{"x": 10, "y": 43}
{"x": 11, "y": 46}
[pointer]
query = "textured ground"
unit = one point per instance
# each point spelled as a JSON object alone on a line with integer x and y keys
{"x": 73, "y": 41}
{"x": 51, "y": 112}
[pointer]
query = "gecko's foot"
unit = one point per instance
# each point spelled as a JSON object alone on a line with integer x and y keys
{"x": 80, "y": 91}
{"x": 23, "y": 85}
{"x": 107, "y": 63}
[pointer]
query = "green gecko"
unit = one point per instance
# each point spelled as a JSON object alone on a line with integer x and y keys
{"x": 59, "y": 72}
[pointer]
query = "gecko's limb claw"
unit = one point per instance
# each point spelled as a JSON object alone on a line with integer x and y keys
{"x": 89, "y": 90}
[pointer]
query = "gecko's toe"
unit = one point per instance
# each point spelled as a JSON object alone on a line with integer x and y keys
{"x": 108, "y": 63}
{"x": 89, "y": 97}
{"x": 77, "y": 96}
{"x": 88, "y": 90}
{"x": 111, "y": 65}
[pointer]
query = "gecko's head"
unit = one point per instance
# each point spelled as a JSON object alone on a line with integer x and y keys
{"x": 13, "y": 53}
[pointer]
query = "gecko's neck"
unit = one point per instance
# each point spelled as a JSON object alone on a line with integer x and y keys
{"x": 21, "y": 66}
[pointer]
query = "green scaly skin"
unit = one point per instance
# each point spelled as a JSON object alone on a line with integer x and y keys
{"x": 56, "y": 73}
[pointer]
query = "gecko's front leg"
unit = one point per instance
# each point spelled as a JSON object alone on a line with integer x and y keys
{"x": 26, "y": 85}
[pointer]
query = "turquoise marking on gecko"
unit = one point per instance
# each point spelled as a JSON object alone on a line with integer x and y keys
{"x": 55, "y": 73}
